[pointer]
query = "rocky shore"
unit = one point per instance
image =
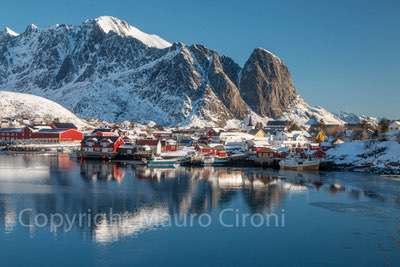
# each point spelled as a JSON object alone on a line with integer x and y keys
{"x": 379, "y": 157}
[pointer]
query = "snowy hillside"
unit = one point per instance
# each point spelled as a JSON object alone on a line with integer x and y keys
{"x": 17, "y": 105}
{"x": 352, "y": 118}
{"x": 110, "y": 70}
{"x": 383, "y": 157}
{"x": 302, "y": 113}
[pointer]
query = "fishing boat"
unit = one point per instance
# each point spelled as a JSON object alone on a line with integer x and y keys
{"x": 299, "y": 164}
{"x": 214, "y": 161}
{"x": 158, "y": 162}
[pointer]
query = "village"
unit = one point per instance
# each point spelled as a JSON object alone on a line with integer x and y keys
{"x": 277, "y": 144}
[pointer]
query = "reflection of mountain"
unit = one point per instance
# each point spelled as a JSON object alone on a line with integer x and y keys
{"x": 130, "y": 224}
{"x": 71, "y": 188}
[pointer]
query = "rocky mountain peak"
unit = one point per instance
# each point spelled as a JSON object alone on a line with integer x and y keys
{"x": 31, "y": 28}
{"x": 108, "y": 69}
{"x": 266, "y": 84}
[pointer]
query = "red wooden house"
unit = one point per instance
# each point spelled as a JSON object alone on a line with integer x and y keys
{"x": 58, "y": 135}
{"x": 12, "y": 134}
{"x": 101, "y": 146}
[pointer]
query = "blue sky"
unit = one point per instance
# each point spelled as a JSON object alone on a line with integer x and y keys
{"x": 343, "y": 55}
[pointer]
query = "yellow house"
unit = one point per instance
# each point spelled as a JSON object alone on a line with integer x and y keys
{"x": 321, "y": 137}
{"x": 257, "y": 133}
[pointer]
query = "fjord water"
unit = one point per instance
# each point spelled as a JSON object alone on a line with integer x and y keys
{"x": 323, "y": 219}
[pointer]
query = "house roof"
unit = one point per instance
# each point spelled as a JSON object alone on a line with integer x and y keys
{"x": 64, "y": 125}
{"x": 51, "y": 130}
{"x": 100, "y": 138}
{"x": 277, "y": 123}
{"x": 255, "y": 131}
{"x": 104, "y": 130}
{"x": 11, "y": 130}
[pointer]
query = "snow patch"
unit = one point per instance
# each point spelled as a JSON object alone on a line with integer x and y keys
{"x": 108, "y": 23}
{"x": 10, "y": 32}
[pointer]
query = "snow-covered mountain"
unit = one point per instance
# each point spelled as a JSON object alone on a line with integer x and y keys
{"x": 108, "y": 69}
{"x": 17, "y": 105}
{"x": 352, "y": 118}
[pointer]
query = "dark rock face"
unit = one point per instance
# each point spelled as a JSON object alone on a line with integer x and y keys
{"x": 266, "y": 84}
{"x": 222, "y": 74}
{"x": 113, "y": 76}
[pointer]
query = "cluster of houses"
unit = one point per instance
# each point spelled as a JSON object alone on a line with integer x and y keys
{"x": 52, "y": 133}
{"x": 273, "y": 140}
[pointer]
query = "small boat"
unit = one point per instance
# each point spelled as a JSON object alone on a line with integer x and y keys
{"x": 158, "y": 162}
{"x": 299, "y": 164}
{"x": 208, "y": 160}
{"x": 214, "y": 161}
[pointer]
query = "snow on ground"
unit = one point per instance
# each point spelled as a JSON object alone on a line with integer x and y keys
{"x": 29, "y": 106}
{"x": 373, "y": 154}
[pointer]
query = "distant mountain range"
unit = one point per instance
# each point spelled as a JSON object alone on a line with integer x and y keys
{"x": 108, "y": 69}
{"x": 352, "y": 118}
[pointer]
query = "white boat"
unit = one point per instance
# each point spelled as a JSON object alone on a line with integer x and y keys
{"x": 213, "y": 161}
{"x": 208, "y": 160}
{"x": 299, "y": 164}
{"x": 158, "y": 162}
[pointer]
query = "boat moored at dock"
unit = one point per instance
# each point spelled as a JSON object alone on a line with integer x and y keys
{"x": 300, "y": 164}
{"x": 158, "y": 162}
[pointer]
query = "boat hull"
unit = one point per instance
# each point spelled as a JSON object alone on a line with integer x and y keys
{"x": 292, "y": 165}
{"x": 162, "y": 164}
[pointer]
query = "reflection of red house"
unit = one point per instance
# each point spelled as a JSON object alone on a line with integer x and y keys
{"x": 118, "y": 173}
{"x": 58, "y": 135}
{"x": 64, "y": 162}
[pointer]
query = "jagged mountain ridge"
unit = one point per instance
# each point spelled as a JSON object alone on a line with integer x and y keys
{"x": 108, "y": 69}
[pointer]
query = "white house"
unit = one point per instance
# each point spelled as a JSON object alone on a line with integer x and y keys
{"x": 292, "y": 139}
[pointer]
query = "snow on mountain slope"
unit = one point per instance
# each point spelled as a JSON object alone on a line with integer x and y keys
{"x": 107, "y": 69}
{"x": 302, "y": 113}
{"x": 14, "y": 105}
{"x": 8, "y": 32}
{"x": 352, "y": 118}
{"x": 108, "y": 23}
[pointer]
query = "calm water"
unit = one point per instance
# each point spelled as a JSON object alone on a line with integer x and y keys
{"x": 140, "y": 216}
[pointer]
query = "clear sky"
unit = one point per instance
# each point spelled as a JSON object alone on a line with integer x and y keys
{"x": 343, "y": 55}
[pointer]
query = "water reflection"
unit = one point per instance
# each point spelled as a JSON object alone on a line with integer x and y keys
{"x": 57, "y": 184}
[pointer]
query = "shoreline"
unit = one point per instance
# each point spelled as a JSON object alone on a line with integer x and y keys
{"x": 327, "y": 166}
